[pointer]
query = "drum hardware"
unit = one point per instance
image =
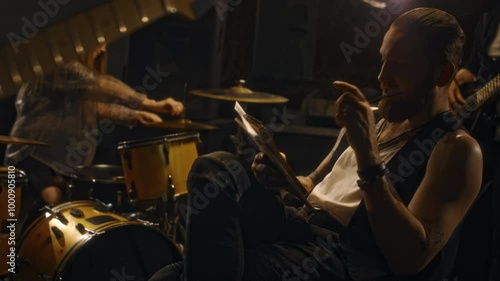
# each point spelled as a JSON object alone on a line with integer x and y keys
{"x": 56, "y": 214}
{"x": 81, "y": 228}
{"x": 77, "y": 213}
{"x": 169, "y": 209}
{"x": 133, "y": 192}
{"x": 101, "y": 206}
{"x": 101, "y": 182}
{"x": 119, "y": 198}
{"x": 147, "y": 223}
{"x": 57, "y": 232}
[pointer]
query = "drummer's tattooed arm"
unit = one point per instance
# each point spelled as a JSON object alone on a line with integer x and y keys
{"x": 125, "y": 116}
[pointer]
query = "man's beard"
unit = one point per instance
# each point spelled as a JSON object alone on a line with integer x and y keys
{"x": 400, "y": 108}
{"x": 397, "y": 109}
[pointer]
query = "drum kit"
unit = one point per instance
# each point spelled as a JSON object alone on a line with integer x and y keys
{"x": 116, "y": 220}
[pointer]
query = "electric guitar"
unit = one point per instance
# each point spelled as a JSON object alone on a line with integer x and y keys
{"x": 472, "y": 113}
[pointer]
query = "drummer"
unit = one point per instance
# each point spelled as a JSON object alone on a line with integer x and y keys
{"x": 71, "y": 110}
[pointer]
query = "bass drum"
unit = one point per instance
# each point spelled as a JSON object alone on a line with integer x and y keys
{"x": 82, "y": 241}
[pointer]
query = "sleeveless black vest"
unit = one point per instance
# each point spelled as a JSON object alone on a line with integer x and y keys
{"x": 407, "y": 169}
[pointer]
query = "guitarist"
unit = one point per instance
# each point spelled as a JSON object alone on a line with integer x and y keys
{"x": 482, "y": 65}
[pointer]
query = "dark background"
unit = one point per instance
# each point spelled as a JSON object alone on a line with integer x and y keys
{"x": 290, "y": 48}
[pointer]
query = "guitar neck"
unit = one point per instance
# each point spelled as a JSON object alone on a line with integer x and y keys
{"x": 488, "y": 91}
{"x": 69, "y": 40}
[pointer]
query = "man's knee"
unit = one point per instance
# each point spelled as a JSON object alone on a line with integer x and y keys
{"x": 218, "y": 171}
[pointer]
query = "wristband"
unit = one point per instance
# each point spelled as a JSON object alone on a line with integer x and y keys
{"x": 370, "y": 174}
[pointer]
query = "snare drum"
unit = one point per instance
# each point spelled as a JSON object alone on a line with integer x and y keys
{"x": 11, "y": 183}
{"x": 79, "y": 241}
{"x": 148, "y": 163}
{"x": 102, "y": 182}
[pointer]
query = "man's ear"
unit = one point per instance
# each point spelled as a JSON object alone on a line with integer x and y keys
{"x": 444, "y": 74}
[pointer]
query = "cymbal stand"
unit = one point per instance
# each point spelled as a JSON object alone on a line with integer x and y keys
{"x": 171, "y": 216}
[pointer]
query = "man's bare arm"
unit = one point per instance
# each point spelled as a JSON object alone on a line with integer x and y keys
{"x": 449, "y": 187}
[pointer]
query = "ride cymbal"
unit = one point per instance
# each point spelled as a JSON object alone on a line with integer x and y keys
{"x": 241, "y": 94}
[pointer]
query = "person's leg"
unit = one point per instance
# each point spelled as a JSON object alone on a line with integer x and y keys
{"x": 237, "y": 230}
{"x": 495, "y": 263}
{"x": 39, "y": 176}
{"x": 227, "y": 212}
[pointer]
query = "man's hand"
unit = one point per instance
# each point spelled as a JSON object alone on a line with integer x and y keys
{"x": 166, "y": 106}
{"x": 267, "y": 174}
{"x": 145, "y": 118}
{"x": 455, "y": 98}
{"x": 354, "y": 113}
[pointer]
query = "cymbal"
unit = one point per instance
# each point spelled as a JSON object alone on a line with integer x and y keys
{"x": 182, "y": 124}
{"x": 241, "y": 94}
{"x": 13, "y": 140}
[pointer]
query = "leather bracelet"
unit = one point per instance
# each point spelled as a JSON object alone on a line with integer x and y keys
{"x": 370, "y": 174}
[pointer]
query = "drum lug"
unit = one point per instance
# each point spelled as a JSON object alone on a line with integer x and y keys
{"x": 75, "y": 212}
{"x": 102, "y": 207}
{"x": 57, "y": 232}
{"x": 127, "y": 157}
{"x": 81, "y": 228}
{"x": 133, "y": 191}
{"x": 90, "y": 193}
{"x": 171, "y": 207}
{"x": 118, "y": 198}
{"x": 58, "y": 215}
{"x": 147, "y": 223}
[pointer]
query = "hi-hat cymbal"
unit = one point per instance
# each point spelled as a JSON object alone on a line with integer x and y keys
{"x": 12, "y": 140}
{"x": 241, "y": 94}
{"x": 182, "y": 124}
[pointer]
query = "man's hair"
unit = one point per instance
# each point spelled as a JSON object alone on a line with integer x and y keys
{"x": 444, "y": 38}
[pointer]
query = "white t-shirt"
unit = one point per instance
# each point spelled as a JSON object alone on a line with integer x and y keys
{"x": 339, "y": 193}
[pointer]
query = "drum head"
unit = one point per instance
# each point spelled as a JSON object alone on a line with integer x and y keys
{"x": 101, "y": 173}
{"x": 158, "y": 140}
{"x": 127, "y": 252}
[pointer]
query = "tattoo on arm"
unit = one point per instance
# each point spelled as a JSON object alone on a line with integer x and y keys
{"x": 434, "y": 235}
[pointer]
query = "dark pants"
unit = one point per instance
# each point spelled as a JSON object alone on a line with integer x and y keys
{"x": 495, "y": 264}
{"x": 237, "y": 230}
{"x": 39, "y": 176}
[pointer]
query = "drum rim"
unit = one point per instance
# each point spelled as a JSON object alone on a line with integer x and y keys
{"x": 42, "y": 217}
{"x": 92, "y": 179}
{"x": 82, "y": 242}
{"x": 157, "y": 140}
